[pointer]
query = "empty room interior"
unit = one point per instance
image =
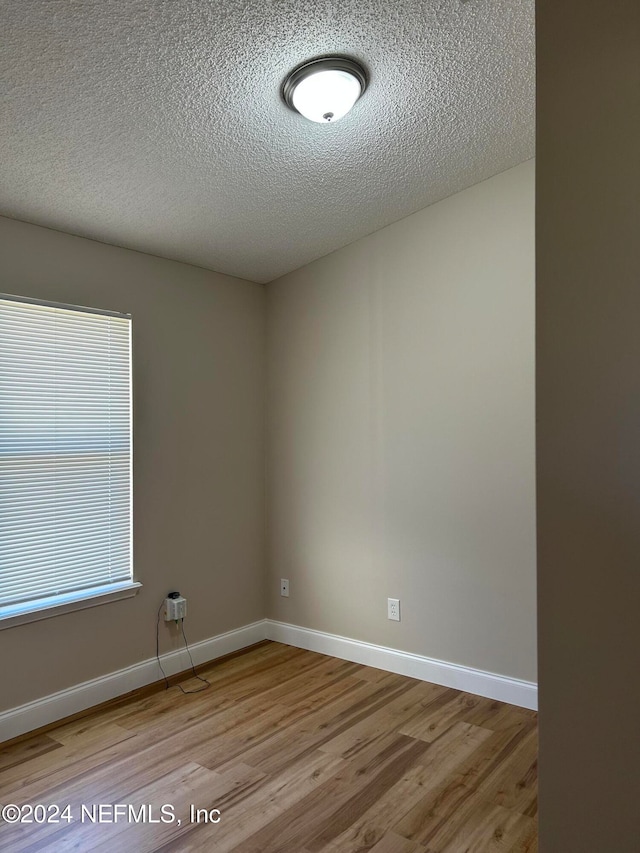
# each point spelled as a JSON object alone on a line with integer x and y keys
{"x": 319, "y": 407}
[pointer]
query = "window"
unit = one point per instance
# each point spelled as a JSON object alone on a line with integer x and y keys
{"x": 65, "y": 458}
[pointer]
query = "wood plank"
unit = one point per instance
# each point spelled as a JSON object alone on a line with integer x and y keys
{"x": 494, "y": 715}
{"x": 392, "y": 843}
{"x": 397, "y": 714}
{"x": 97, "y": 744}
{"x": 327, "y": 811}
{"x": 439, "y": 761}
{"x": 513, "y": 782}
{"x": 439, "y": 715}
{"x": 476, "y": 826}
{"x": 277, "y": 795}
{"x": 321, "y": 724}
{"x": 17, "y": 752}
{"x": 455, "y": 798}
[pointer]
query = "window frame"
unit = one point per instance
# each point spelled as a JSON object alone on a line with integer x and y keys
{"x": 19, "y": 613}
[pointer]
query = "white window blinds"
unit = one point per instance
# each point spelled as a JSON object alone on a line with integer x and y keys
{"x": 65, "y": 454}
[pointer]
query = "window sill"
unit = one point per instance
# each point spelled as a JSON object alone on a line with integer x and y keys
{"x": 33, "y": 611}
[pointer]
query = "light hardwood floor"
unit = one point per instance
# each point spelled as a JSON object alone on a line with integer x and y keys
{"x": 299, "y": 752}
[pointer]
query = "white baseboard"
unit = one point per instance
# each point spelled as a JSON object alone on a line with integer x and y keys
{"x": 56, "y": 706}
{"x": 41, "y": 712}
{"x": 488, "y": 684}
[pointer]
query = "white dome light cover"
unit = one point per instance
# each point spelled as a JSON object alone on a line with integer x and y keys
{"x": 324, "y": 90}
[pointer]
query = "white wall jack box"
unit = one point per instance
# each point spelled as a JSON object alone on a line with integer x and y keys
{"x": 393, "y": 609}
{"x": 175, "y": 608}
{"x": 284, "y": 587}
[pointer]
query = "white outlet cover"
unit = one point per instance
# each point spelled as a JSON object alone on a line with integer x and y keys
{"x": 284, "y": 587}
{"x": 393, "y": 609}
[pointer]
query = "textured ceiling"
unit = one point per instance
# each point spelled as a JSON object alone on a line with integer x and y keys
{"x": 158, "y": 125}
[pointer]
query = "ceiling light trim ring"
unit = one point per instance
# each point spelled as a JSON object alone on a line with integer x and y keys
{"x": 322, "y": 63}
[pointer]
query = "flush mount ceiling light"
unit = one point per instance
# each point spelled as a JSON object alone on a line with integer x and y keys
{"x": 324, "y": 90}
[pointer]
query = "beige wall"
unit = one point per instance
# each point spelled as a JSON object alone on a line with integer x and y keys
{"x": 588, "y": 413}
{"x": 198, "y": 340}
{"x": 400, "y": 450}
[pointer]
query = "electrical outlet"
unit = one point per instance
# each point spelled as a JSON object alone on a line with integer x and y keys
{"x": 393, "y": 609}
{"x": 175, "y": 607}
{"x": 284, "y": 587}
